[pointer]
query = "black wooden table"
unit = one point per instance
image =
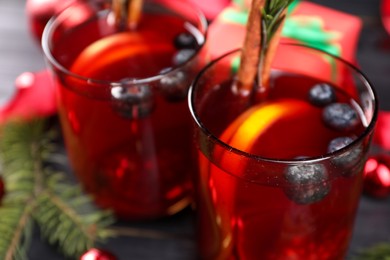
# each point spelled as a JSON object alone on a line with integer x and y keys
{"x": 19, "y": 53}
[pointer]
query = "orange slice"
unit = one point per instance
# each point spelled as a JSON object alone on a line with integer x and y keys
{"x": 249, "y": 126}
{"x": 113, "y": 49}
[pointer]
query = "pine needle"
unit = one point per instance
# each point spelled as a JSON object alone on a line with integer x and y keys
{"x": 63, "y": 222}
{"x": 15, "y": 224}
{"x": 37, "y": 193}
{"x": 377, "y": 252}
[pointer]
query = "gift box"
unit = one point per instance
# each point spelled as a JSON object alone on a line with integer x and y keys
{"x": 306, "y": 23}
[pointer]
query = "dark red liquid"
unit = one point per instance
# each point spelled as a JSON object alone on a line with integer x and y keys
{"x": 139, "y": 167}
{"x": 246, "y": 209}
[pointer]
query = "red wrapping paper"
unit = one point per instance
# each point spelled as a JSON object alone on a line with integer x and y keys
{"x": 307, "y": 23}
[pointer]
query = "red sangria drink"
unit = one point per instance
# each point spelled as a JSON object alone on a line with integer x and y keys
{"x": 281, "y": 178}
{"x": 121, "y": 97}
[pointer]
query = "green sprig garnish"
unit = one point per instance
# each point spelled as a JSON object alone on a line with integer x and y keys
{"x": 272, "y": 16}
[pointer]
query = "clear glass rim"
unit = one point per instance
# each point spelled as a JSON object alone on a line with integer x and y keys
{"x": 54, "y": 21}
{"x": 315, "y": 159}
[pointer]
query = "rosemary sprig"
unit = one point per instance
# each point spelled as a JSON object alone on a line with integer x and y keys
{"x": 264, "y": 26}
{"x": 272, "y": 17}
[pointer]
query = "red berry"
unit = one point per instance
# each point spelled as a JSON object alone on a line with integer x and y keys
{"x": 98, "y": 254}
{"x": 377, "y": 176}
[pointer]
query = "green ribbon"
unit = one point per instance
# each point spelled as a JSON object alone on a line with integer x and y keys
{"x": 311, "y": 33}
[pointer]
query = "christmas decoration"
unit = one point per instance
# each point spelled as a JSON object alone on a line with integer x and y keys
{"x": 98, "y": 254}
{"x": 34, "y": 97}
{"x": 377, "y": 176}
{"x": 385, "y": 14}
{"x": 38, "y": 192}
{"x": 381, "y": 134}
{"x": 39, "y": 12}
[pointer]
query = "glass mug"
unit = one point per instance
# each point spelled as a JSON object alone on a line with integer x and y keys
{"x": 121, "y": 97}
{"x": 281, "y": 179}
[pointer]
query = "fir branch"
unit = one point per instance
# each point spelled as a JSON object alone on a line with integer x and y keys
{"x": 14, "y": 251}
{"x": 62, "y": 222}
{"x": 36, "y": 192}
{"x": 15, "y": 227}
{"x": 377, "y": 252}
{"x": 18, "y": 203}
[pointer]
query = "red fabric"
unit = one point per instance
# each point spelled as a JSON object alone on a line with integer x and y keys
{"x": 33, "y": 97}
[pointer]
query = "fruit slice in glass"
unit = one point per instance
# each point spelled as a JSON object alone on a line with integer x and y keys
{"x": 268, "y": 186}
{"x": 122, "y": 103}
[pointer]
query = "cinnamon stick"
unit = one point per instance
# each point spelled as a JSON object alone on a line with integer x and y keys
{"x": 134, "y": 13}
{"x": 251, "y": 50}
{"x": 258, "y": 49}
{"x": 127, "y": 13}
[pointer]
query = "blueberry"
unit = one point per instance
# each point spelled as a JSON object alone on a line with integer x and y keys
{"x": 339, "y": 143}
{"x": 308, "y": 183}
{"x": 307, "y": 194}
{"x": 349, "y": 161}
{"x": 182, "y": 56}
{"x": 306, "y": 173}
{"x": 185, "y": 40}
{"x": 132, "y": 102}
{"x": 322, "y": 94}
{"x": 340, "y": 116}
{"x": 174, "y": 85}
